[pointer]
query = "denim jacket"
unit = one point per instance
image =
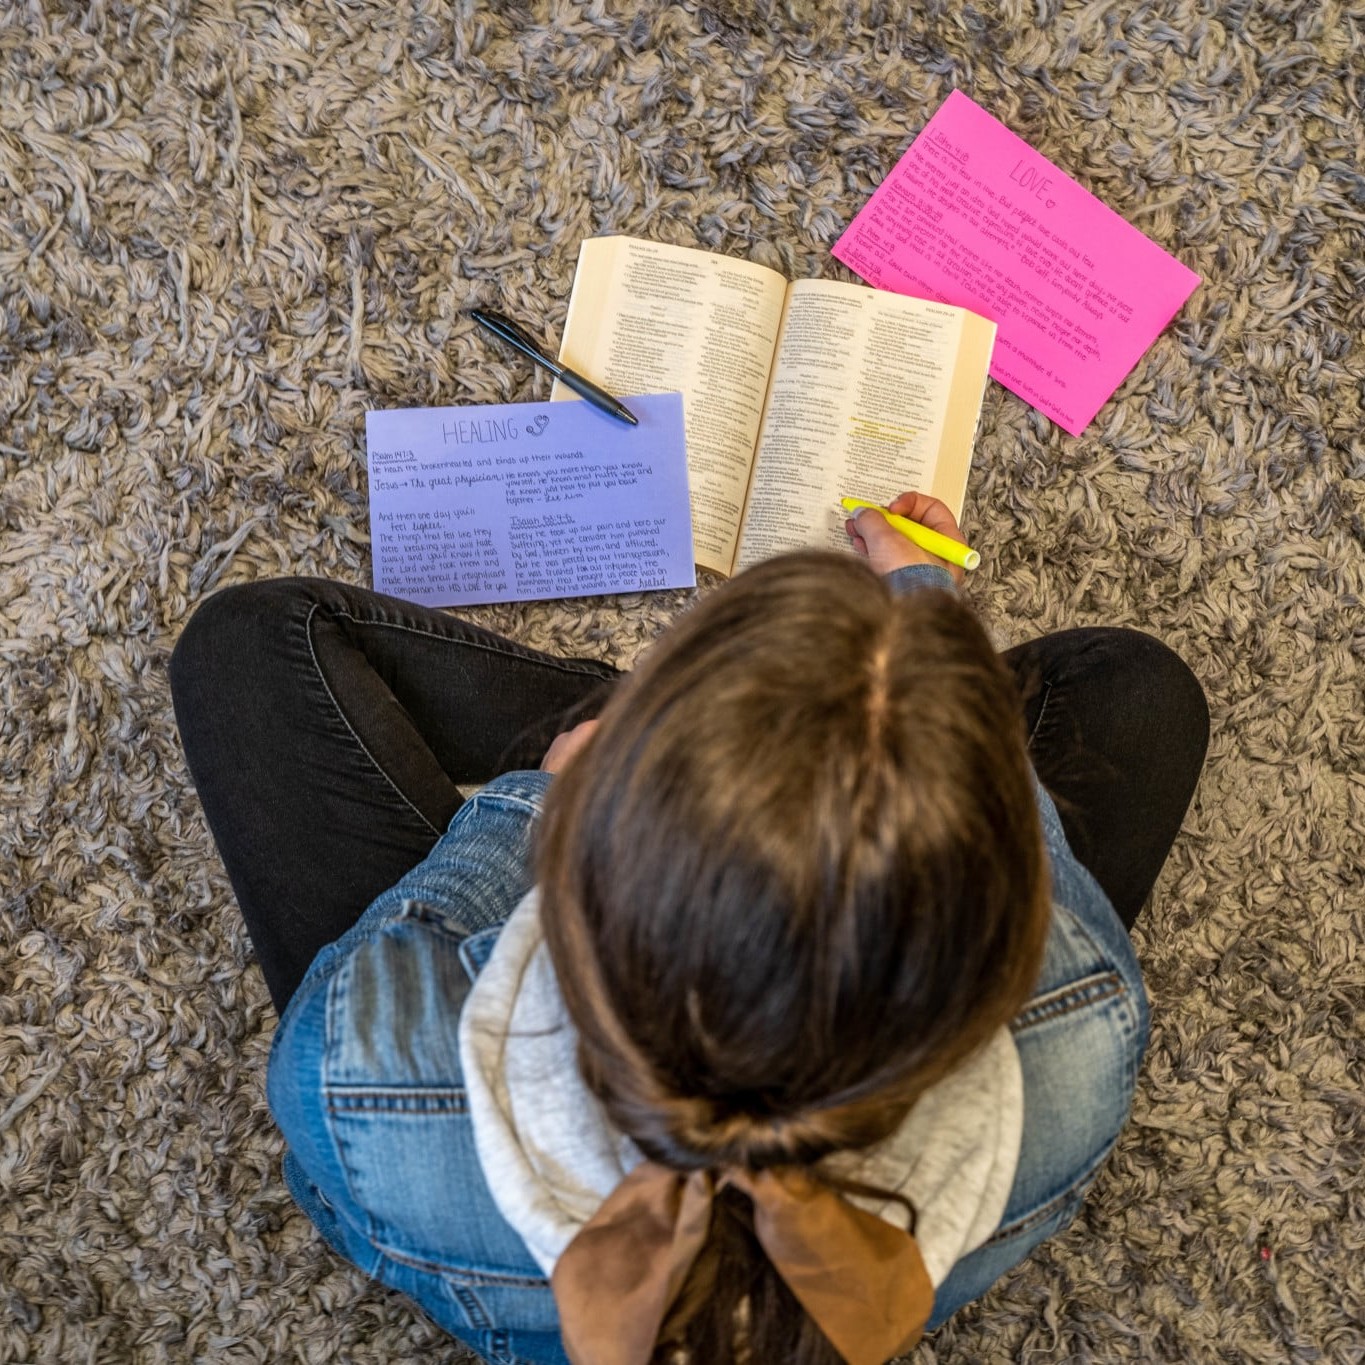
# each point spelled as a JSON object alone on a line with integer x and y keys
{"x": 366, "y": 1085}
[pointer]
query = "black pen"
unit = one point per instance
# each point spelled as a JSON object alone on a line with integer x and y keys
{"x": 507, "y": 330}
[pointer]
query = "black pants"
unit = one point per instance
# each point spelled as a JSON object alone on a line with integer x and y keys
{"x": 327, "y": 728}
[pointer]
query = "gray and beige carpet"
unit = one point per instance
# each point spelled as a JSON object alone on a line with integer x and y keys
{"x": 227, "y": 229}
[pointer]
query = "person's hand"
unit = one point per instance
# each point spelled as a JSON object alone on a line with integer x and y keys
{"x": 886, "y": 550}
{"x": 566, "y": 746}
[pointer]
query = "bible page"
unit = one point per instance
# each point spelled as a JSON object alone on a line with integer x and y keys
{"x": 646, "y": 317}
{"x": 873, "y": 394}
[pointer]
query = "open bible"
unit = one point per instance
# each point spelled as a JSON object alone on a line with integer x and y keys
{"x": 794, "y": 394}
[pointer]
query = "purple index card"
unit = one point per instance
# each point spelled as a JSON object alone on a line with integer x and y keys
{"x": 515, "y": 501}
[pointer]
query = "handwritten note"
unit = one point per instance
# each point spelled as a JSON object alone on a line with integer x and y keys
{"x": 517, "y": 501}
{"x": 972, "y": 215}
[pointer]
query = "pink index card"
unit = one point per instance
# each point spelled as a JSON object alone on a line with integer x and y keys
{"x": 972, "y": 215}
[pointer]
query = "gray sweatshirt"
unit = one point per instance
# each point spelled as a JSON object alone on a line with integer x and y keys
{"x": 551, "y": 1156}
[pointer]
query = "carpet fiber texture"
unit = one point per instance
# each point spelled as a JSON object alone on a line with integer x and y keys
{"x": 228, "y": 229}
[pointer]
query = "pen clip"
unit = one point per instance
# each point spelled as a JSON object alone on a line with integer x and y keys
{"x": 508, "y": 330}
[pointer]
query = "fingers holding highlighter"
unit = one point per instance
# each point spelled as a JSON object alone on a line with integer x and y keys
{"x": 923, "y": 531}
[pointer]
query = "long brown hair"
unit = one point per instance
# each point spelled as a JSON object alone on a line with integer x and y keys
{"x": 796, "y": 877}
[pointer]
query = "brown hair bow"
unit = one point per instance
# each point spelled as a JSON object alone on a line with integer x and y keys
{"x": 859, "y": 1278}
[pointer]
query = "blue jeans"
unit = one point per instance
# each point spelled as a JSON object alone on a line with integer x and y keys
{"x": 327, "y": 728}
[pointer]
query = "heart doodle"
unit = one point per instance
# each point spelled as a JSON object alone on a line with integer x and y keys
{"x": 539, "y": 425}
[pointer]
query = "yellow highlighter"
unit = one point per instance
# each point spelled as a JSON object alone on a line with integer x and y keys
{"x": 954, "y": 551}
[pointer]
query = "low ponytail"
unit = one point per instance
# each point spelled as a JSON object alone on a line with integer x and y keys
{"x": 794, "y": 880}
{"x": 734, "y": 1306}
